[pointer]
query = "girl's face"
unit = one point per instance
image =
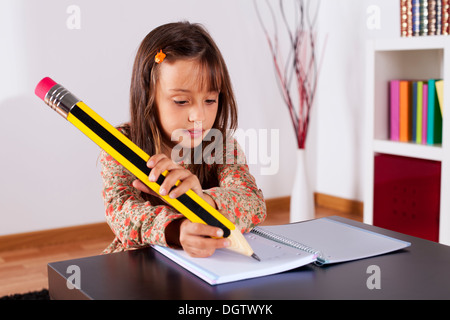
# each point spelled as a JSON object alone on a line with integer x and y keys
{"x": 187, "y": 110}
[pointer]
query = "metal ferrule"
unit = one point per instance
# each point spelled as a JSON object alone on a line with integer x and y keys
{"x": 61, "y": 100}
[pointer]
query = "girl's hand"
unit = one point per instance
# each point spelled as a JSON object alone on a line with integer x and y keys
{"x": 195, "y": 238}
{"x": 160, "y": 163}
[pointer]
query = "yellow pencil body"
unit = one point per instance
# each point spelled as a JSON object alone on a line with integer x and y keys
{"x": 136, "y": 171}
{"x": 128, "y": 154}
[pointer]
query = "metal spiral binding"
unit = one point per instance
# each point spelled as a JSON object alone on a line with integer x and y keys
{"x": 289, "y": 242}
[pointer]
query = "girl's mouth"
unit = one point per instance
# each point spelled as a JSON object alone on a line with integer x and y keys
{"x": 195, "y": 133}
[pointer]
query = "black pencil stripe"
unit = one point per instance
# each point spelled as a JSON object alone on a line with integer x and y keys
{"x": 136, "y": 160}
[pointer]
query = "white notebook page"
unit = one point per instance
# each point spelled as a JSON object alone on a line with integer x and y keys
{"x": 338, "y": 241}
{"x": 225, "y": 265}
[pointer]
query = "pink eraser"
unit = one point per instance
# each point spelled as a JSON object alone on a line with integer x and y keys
{"x": 43, "y": 87}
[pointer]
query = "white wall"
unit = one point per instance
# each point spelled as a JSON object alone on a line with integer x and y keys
{"x": 347, "y": 25}
{"x": 50, "y": 176}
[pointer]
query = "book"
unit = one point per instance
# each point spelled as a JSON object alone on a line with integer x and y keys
{"x": 432, "y": 17}
{"x": 434, "y": 134}
{"x": 438, "y": 11}
{"x": 405, "y": 112}
{"x": 406, "y": 18}
{"x": 431, "y": 111}
{"x": 424, "y": 112}
{"x": 439, "y": 84}
{"x": 419, "y": 102}
{"x": 424, "y": 17}
{"x": 394, "y": 109}
{"x": 415, "y": 12}
{"x": 445, "y": 16}
{"x": 414, "y": 111}
{"x": 437, "y": 125}
{"x": 285, "y": 247}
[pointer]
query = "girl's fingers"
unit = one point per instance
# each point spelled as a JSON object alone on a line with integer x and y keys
{"x": 197, "y": 239}
{"x": 199, "y": 253}
{"x": 188, "y": 181}
{"x": 203, "y": 247}
{"x": 200, "y": 229}
{"x": 155, "y": 159}
{"x": 138, "y": 184}
{"x": 203, "y": 237}
{"x": 160, "y": 164}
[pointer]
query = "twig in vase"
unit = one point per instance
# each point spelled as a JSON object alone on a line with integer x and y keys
{"x": 301, "y": 63}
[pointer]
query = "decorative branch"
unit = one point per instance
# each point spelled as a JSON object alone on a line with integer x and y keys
{"x": 301, "y": 63}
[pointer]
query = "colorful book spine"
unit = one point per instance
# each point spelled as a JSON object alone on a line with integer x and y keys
{"x": 437, "y": 121}
{"x": 445, "y": 16}
{"x": 424, "y": 17}
{"x": 424, "y": 112}
{"x": 431, "y": 17}
{"x": 414, "y": 111}
{"x": 394, "y": 110}
{"x": 431, "y": 111}
{"x": 440, "y": 93}
{"x": 419, "y": 112}
{"x": 416, "y": 17}
{"x": 438, "y": 12}
{"x": 406, "y": 18}
{"x": 405, "y": 112}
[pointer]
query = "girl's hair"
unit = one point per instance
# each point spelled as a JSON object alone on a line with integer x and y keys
{"x": 181, "y": 40}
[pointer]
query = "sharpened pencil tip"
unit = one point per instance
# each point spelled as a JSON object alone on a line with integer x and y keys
{"x": 254, "y": 256}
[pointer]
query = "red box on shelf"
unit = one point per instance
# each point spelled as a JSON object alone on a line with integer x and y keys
{"x": 407, "y": 195}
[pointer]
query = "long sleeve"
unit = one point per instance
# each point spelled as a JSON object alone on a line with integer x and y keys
{"x": 237, "y": 196}
{"x": 134, "y": 221}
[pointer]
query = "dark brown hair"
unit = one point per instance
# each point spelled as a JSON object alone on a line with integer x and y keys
{"x": 181, "y": 40}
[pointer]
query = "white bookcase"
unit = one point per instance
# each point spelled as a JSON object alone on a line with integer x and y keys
{"x": 408, "y": 58}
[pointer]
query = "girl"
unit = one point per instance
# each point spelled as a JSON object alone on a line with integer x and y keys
{"x": 180, "y": 94}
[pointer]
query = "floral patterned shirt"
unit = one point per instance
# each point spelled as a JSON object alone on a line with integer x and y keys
{"x": 136, "y": 222}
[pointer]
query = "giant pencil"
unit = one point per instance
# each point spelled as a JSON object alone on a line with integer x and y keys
{"x": 128, "y": 154}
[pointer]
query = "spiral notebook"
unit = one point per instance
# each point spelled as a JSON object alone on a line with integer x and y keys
{"x": 286, "y": 247}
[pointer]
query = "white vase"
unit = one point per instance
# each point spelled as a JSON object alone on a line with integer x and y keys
{"x": 302, "y": 197}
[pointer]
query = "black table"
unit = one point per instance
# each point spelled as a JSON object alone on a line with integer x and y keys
{"x": 420, "y": 271}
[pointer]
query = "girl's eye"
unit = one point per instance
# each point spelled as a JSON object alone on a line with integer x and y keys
{"x": 180, "y": 102}
{"x": 210, "y": 101}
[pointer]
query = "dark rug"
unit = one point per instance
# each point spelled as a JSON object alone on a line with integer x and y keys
{"x": 34, "y": 295}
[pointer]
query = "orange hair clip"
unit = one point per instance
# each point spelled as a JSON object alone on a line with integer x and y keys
{"x": 160, "y": 57}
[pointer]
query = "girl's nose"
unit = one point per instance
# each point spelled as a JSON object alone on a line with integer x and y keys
{"x": 197, "y": 113}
